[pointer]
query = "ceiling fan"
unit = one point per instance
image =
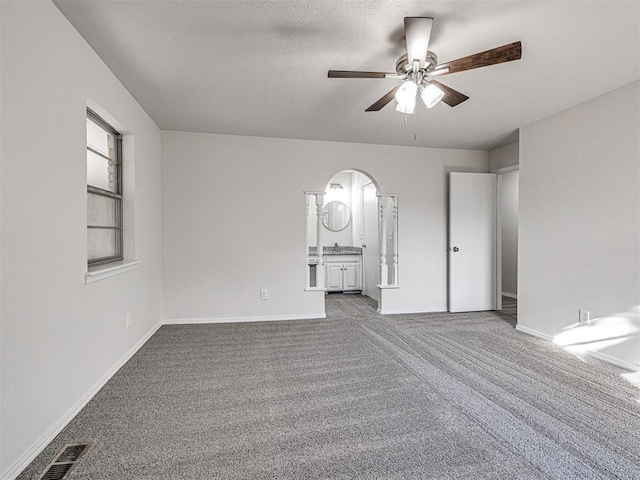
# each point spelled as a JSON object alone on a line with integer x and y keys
{"x": 419, "y": 67}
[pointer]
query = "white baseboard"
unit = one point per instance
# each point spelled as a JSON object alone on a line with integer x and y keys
{"x": 510, "y": 295}
{"x": 400, "y": 311}
{"x": 535, "y": 333}
{"x": 23, "y": 462}
{"x": 265, "y": 318}
{"x": 590, "y": 353}
{"x": 613, "y": 360}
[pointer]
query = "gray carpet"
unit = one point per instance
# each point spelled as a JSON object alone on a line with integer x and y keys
{"x": 358, "y": 395}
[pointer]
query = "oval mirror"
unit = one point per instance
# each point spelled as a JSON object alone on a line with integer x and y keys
{"x": 336, "y": 216}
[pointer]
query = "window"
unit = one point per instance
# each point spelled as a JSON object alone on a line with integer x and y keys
{"x": 104, "y": 192}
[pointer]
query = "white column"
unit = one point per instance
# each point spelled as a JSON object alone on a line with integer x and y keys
{"x": 395, "y": 239}
{"x": 384, "y": 268}
{"x": 319, "y": 228}
{"x": 318, "y": 198}
{"x": 308, "y": 269}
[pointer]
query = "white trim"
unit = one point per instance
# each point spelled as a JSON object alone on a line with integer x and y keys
{"x": 590, "y": 353}
{"x": 23, "y": 462}
{"x": 265, "y": 318}
{"x": 613, "y": 360}
{"x": 510, "y": 168}
{"x": 315, "y": 289}
{"x": 535, "y": 333}
{"x": 387, "y": 287}
{"x": 400, "y": 311}
{"x": 102, "y": 272}
{"x": 499, "y": 284}
{"x": 498, "y": 259}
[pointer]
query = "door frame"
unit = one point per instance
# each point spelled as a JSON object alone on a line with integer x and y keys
{"x": 500, "y": 172}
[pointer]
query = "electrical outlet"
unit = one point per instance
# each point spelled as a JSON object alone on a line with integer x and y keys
{"x": 583, "y": 316}
{"x": 264, "y": 294}
{"x": 128, "y": 319}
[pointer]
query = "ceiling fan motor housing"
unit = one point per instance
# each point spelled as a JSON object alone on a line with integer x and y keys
{"x": 403, "y": 67}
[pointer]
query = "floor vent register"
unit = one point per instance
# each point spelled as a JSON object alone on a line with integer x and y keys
{"x": 64, "y": 462}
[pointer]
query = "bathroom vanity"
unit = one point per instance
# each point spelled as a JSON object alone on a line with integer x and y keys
{"x": 343, "y": 273}
{"x": 343, "y": 268}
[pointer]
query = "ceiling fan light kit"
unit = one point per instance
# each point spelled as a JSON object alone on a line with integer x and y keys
{"x": 419, "y": 65}
{"x": 431, "y": 95}
{"x": 406, "y": 97}
{"x": 407, "y": 93}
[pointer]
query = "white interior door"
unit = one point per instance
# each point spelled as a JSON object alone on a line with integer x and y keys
{"x": 472, "y": 241}
{"x": 370, "y": 254}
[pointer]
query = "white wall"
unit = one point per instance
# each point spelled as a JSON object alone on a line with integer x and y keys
{"x": 242, "y": 196}
{"x": 54, "y": 327}
{"x": 505, "y": 156}
{"x": 579, "y": 225}
{"x": 509, "y": 223}
{"x": 359, "y": 180}
{"x": 345, "y": 195}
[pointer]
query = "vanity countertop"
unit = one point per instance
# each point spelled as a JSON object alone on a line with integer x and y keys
{"x": 337, "y": 250}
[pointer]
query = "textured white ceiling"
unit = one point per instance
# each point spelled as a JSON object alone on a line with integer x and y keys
{"x": 260, "y": 67}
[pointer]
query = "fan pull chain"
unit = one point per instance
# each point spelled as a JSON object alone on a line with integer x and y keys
{"x": 406, "y": 123}
{"x": 415, "y": 122}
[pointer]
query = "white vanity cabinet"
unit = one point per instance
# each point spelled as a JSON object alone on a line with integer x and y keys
{"x": 343, "y": 273}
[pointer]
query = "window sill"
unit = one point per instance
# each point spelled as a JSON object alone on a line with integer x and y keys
{"x": 101, "y": 272}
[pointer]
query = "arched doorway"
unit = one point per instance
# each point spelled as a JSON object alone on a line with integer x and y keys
{"x": 355, "y": 226}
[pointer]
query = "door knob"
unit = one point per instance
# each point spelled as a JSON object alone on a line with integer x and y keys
{"x": 455, "y": 249}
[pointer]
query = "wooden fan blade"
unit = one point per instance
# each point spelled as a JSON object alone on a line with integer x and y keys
{"x": 505, "y": 53}
{"x": 383, "y": 101}
{"x": 350, "y": 74}
{"x": 451, "y": 97}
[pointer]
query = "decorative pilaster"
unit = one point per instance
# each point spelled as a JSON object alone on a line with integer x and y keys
{"x": 318, "y": 199}
{"x": 384, "y": 268}
{"x": 395, "y": 239}
{"x": 308, "y": 269}
{"x": 319, "y": 230}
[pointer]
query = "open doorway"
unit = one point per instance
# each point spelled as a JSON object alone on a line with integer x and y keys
{"x": 343, "y": 238}
{"x": 508, "y": 181}
{"x": 483, "y": 236}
